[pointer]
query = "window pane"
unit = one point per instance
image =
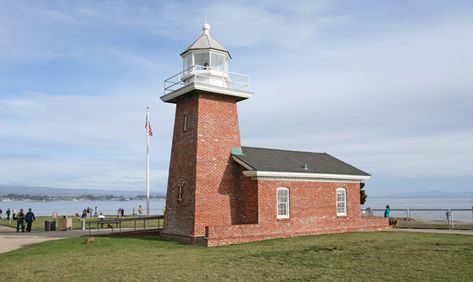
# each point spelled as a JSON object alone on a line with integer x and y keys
{"x": 282, "y": 203}
{"x": 201, "y": 59}
{"x": 187, "y": 61}
{"x": 341, "y": 201}
{"x": 218, "y": 61}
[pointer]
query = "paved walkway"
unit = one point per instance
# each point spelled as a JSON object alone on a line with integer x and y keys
{"x": 11, "y": 240}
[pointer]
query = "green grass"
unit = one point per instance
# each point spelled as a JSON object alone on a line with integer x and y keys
{"x": 392, "y": 256}
{"x": 38, "y": 224}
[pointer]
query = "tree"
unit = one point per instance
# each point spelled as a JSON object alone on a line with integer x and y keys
{"x": 363, "y": 194}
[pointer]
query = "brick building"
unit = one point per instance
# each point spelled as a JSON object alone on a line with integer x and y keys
{"x": 220, "y": 192}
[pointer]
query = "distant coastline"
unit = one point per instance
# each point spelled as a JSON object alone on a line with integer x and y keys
{"x": 87, "y": 197}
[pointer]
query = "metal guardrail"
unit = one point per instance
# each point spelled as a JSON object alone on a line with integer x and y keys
{"x": 428, "y": 218}
{"x": 233, "y": 80}
{"x": 110, "y": 222}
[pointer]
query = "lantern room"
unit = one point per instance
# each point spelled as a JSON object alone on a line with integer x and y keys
{"x": 205, "y": 67}
{"x": 206, "y": 61}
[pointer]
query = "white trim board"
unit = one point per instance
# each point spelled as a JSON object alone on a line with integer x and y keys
{"x": 301, "y": 176}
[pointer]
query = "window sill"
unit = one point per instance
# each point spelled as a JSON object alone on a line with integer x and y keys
{"x": 341, "y": 215}
{"x": 283, "y": 219}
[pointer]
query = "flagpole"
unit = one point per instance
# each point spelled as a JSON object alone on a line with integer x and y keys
{"x": 147, "y": 161}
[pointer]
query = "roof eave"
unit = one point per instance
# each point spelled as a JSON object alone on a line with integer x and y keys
{"x": 304, "y": 175}
{"x": 198, "y": 49}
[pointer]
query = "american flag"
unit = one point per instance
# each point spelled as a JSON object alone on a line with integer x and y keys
{"x": 149, "y": 130}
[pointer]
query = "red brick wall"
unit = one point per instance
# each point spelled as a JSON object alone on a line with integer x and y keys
{"x": 312, "y": 211}
{"x": 310, "y": 203}
{"x": 179, "y": 217}
{"x": 249, "y": 199}
{"x": 217, "y": 183}
{"x": 201, "y": 155}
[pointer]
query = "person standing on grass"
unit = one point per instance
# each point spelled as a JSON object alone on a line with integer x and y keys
{"x": 8, "y": 213}
{"x": 29, "y": 218}
{"x": 140, "y": 211}
{"x": 20, "y": 221}
{"x": 13, "y": 213}
{"x": 387, "y": 212}
{"x": 83, "y": 218}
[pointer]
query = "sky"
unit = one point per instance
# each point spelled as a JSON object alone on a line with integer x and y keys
{"x": 386, "y": 86}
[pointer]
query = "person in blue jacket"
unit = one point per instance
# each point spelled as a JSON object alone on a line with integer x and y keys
{"x": 387, "y": 212}
{"x": 29, "y": 218}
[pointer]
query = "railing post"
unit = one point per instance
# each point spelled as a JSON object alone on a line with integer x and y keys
{"x": 450, "y": 216}
{"x": 408, "y": 211}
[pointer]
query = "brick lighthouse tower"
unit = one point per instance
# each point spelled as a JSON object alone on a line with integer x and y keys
{"x": 203, "y": 179}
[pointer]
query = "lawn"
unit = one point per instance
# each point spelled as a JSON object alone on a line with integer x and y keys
{"x": 394, "y": 256}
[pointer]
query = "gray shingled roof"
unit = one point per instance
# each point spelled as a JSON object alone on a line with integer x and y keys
{"x": 262, "y": 159}
{"x": 205, "y": 41}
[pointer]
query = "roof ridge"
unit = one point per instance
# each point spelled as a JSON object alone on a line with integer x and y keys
{"x": 285, "y": 150}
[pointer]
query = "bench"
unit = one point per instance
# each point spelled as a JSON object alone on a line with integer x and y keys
{"x": 108, "y": 221}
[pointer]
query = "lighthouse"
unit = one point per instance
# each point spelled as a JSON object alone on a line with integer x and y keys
{"x": 203, "y": 180}
{"x": 220, "y": 192}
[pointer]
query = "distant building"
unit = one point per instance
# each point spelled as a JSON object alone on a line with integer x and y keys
{"x": 220, "y": 192}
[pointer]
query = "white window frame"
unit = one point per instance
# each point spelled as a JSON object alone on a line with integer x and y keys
{"x": 287, "y": 203}
{"x": 344, "y": 213}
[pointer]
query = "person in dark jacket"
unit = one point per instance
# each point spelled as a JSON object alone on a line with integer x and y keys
{"x": 8, "y": 213}
{"x": 20, "y": 221}
{"x": 29, "y": 217}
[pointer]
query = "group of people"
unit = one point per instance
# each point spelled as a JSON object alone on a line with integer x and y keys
{"x": 21, "y": 218}
{"x": 7, "y": 213}
{"x": 89, "y": 212}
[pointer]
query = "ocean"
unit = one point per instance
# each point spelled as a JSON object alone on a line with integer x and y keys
{"x": 419, "y": 203}
{"x": 73, "y": 207}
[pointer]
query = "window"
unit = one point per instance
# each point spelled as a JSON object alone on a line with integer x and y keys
{"x": 184, "y": 125}
{"x": 201, "y": 59}
{"x": 188, "y": 63}
{"x": 218, "y": 62}
{"x": 180, "y": 184}
{"x": 282, "y": 197}
{"x": 341, "y": 202}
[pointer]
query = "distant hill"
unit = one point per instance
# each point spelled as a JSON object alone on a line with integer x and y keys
{"x": 428, "y": 194}
{"x": 50, "y": 191}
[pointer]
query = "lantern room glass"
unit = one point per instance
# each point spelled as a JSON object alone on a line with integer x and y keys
{"x": 188, "y": 63}
{"x": 202, "y": 59}
{"x": 218, "y": 62}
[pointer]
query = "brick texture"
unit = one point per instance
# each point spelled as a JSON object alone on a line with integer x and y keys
{"x": 201, "y": 156}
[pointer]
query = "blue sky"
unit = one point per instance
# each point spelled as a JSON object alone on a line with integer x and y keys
{"x": 384, "y": 85}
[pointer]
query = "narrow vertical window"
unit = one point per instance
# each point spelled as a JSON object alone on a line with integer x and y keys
{"x": 180, "y": 184}
{"x": 184, "y": 125}
{"x": 282, "y": 198}
{"x": 341, "y": 202}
